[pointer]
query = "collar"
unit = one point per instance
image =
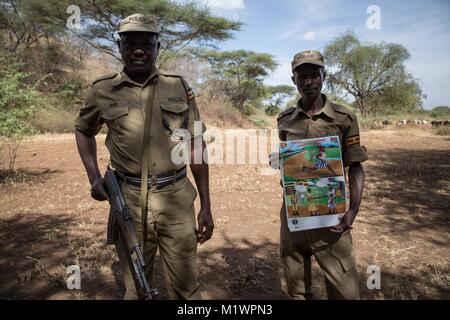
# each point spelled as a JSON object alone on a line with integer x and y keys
{"x": 123, "y": 77}
{"x": 327, "y": 109}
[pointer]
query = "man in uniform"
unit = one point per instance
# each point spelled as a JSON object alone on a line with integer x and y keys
{"x": 315, "y": 116}
{"x": 149, "y": 115}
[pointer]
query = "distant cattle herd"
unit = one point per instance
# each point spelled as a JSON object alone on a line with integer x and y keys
{"x": 402, "y": 123}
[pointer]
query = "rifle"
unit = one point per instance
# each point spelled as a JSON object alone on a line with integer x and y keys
{"x": 121, "y": 228}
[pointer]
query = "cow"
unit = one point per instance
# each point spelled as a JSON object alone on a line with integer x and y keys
{"x": 400, "y": 123}
{"x": 436, "y": 123}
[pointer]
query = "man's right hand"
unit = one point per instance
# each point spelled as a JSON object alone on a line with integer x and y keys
{"x": 274, "y": 160}
{"x": 98, "y": 191}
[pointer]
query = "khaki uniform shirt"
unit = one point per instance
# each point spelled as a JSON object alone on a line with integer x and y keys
{"x": 332, "y": 120}
{"x": 121, "y": 103}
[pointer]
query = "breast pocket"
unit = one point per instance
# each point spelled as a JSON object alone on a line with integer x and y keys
{"x": 327, "y": 131}
{"x": 115, "y": 115}
{"x": 175, "y": 116}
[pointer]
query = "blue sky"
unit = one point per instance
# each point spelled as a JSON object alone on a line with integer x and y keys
{"x": 285, "y": 27}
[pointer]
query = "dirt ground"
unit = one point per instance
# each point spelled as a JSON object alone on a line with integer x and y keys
{"x": 48, "y": 221}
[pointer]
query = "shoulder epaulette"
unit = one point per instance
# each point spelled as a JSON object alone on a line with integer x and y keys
{"x": 105, "y": 77}
{"x": 285, "y": 112}
{"x": 344, "y": 110}
{"x": 189, "y": 92}
{"x": 170, "y": 75}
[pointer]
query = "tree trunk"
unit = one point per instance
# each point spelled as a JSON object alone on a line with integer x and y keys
{"x": 362, "y": 108}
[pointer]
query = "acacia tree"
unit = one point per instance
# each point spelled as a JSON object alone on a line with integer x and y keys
{"x": 277, "y": 96}
{"x": 366, "y": 70}
{"x": 180, "y": 24}
{"x": 241, "y": 72}
{"x": 404, "y": 96}
{"x": 16, "y": 27}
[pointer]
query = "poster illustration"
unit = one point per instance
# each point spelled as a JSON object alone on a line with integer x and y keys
{"x": 314, "y": 182}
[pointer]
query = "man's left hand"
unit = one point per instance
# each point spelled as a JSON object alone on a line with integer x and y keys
{"x": 205, "y": 225}
{"x": 346, "y": 222}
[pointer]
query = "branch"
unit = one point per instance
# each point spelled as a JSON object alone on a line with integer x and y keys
{"x": 379, "y": 73}
{"x": 347, "y": 86}
{"x": 95, "y": 45}
{"x": 101, "y": 12}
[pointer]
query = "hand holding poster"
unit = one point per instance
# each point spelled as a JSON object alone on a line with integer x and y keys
{"x": 314, "y": 182}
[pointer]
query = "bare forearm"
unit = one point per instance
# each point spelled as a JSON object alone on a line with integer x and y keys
{"x": 356, "y": 183}
{"x": 87, "y": 148}
{"x": 201, "y": 177}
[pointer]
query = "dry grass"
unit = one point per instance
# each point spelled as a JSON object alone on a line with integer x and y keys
{"x": 54, "y": 121}
{"x": 220, "y": 114}
{"x": 442, "y": 131}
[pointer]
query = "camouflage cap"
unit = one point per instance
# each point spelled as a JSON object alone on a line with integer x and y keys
{"x": 310, "y": 56}
{"x": 138, "y": 23}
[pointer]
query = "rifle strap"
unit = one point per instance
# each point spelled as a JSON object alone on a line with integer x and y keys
{"x": 152, "y": 97}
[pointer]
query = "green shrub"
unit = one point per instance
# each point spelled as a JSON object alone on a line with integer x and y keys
{"x": 17, "y": 102}
{"x": 272, "y": 110}
{"x": 442, "y": 131}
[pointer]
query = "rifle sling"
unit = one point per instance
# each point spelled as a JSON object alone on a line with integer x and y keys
{"x": 146, "y": 157}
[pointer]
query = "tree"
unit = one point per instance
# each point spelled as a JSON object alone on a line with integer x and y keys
{"x": 440, "y": 112}
{"x": 365, "y": 70}
{"x": 180, "y": 25}
{"x": 18, "y": 27}
{"x": 277, "y": 96}
{"x": 183, "y": 62}
{"x": 17, "y": 104}
{"x": 241, "y": 72}
{"x": 404, "y": 95}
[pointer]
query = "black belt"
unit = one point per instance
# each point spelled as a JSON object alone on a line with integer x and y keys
{"x": 157, "y": 180}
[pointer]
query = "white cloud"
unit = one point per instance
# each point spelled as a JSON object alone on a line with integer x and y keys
{"x": 322, "y": 16}
{"x": 225, "y": 4}
{"x": 310, "y": 35}
{"x": 321, "y": 33}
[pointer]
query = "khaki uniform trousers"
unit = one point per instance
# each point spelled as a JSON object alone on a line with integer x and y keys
{"x": 334, "y": 254}
{"x": 171, "y": 226}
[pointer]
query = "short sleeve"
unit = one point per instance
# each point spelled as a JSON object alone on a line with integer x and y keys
{"x": 195, "y": 126}
{"x": 353, "y": 151}
{"x": 89, "y": 120}
{"x": 282, "y": 135}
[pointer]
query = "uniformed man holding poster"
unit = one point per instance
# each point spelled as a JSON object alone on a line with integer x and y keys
{"x": 314, "y": 117}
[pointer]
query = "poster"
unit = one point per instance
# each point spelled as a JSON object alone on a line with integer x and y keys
{"x": 314, "y": 182}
